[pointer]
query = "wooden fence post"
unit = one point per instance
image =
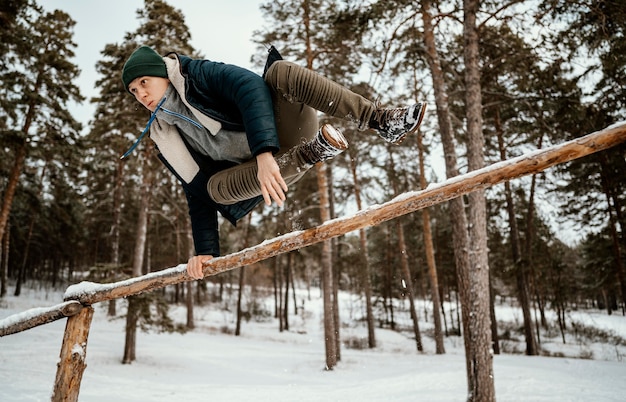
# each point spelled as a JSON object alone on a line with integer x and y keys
{"x": 73, "y": 354}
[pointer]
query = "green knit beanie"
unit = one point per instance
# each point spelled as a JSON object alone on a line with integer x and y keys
{"x": 143, "y": 62}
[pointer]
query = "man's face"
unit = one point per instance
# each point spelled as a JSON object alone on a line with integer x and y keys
{"x": 148, "y": 90}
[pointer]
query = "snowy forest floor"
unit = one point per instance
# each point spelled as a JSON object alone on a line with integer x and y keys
{"x": 263, "y": 364}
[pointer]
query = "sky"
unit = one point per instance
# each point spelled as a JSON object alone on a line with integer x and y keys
{"x": 220, "y": 30}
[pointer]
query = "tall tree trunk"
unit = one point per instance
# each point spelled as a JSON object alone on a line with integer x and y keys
{"x": 408, "y": 285}
{"x": 275, "y": 283}
{"x": 278, "y": 275}
{"x": 20, "y": 156}
{"x": 21, "y": 276}
{"x": 189, "y": 299}
{"x": 132, "y": 316}
{"x": 614, "y": 212}
{"x": 430, "y": 255}
{"x": 11, "y": 188}
{"x": 29, "y": 236}
{"x": 293, "y": 291}
{"x": 404, "y": 261}
{"x": 334, "y": 259}
{"x": 494, "y": 326}
{"x": 287, "y": 283}
{"x": 330, "y": 332}
{"x": 4, "y": 261}
{"x": 242, "y": 277}
{"x": 366, "y": 278}
{"x": 516, "y": 250}
{"x": 528, "y": 255}
{"x": 130, "y": 339}
{"x": 389, "y": 280}
{"x": 481, "y": 375}
{"x": 242, "y": 283}
{"x": 458, "y": 218}
{"x": 115, "y": 228}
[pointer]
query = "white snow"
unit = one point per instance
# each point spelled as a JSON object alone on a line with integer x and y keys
{"x": 263, "y": 364}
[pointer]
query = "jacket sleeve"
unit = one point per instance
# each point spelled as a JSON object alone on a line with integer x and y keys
{"x": 204, "y": 226}
{"x": 241, "y": 92}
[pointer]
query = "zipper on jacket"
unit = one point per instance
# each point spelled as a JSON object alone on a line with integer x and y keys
{"x": 145, "y": 130}
{"x": 180, "y": 116}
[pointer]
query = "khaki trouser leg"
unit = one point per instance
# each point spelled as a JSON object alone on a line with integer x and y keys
{"x": 293, "y": 84}
{"x": 240, "y": 182}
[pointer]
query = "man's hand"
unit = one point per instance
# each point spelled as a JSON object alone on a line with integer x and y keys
{"x": 273, "y": 186}
{"x": 194, "y": 265}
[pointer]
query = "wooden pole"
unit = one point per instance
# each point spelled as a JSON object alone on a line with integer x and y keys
{"x": 38, "y": 316}
{"x": 531, "y": 163}
{"x": 73, "y": 353}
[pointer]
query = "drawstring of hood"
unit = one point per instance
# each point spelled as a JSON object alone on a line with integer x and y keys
{"x": 145, "y": 130}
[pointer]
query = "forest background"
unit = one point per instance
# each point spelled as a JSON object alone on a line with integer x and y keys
{"x": 550, "y": 71}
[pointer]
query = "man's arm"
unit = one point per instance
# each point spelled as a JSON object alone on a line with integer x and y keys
{"x": 204, "y": 227}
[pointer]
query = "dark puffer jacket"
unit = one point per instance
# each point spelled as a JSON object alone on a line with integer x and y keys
{"x": 241, "y": 101}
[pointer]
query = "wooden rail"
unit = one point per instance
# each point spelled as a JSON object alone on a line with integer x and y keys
{"x": 531, "y": 163}
{"x": 38, "y": 316}
{"x": 88, "y": 293}
{"x": 71, "y": 366}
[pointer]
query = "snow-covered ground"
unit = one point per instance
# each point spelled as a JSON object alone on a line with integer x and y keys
{"x": 265, "y": 365}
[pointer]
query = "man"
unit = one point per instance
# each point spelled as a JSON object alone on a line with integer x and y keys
{"x": 234, "y": 138}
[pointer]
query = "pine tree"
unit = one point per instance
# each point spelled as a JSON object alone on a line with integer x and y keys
{"x": 37, "y": 81}
{"x": 8, "y": 22}
{"x": 595, "y": 32}
{"x": 119, "y": 119}
{"x": 302, "y": 24}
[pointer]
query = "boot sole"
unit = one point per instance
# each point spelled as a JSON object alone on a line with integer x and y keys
{"x": 419, "y": 123}
{"x": 334, "y": 137}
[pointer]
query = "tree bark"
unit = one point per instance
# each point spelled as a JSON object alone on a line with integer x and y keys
{"x": 494, "y": 325}
{"x": 481, "y": 384}
{"x": 334, "y": 258}
{"x": 132, "y": 316}
{"x": 115, "y": 228}
{"x": 11, "y": 188}
{"x": 189, "y": 299}
{"x": 286, "y": 298}
{"x": 242, "y": 283}
{"x": 614, "y": 212}
{"x": 31, "y": 227}
{"x": 430, "y": 256}
{"x": 404, "y": 261}
{"x": 408, "y": 286}
{"x": 516, "y": 251}
{"x": 4, "y": 262}
{"x": 242, "y": 278}
{"x": 20, "y": 156}
{"x": 458, "y": 218}
{"x": 366, "y": 278}
{"x": 9, "y": 192}
{"x": 330, "y": 332}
